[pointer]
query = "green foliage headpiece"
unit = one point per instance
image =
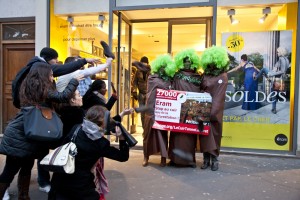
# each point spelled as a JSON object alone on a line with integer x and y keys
{"x": 214, "y": 60}
{"x": 164, "y": 66}
{"x": 187, "y": 53}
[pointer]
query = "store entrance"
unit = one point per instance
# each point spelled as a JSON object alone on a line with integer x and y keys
{"x": 151, "y": 39}
{"x": 150, "y": 33}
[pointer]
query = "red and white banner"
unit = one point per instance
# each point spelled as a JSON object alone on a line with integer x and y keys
{"x": 179, "y": 111}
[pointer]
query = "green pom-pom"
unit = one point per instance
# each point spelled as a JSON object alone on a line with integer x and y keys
{"x": 215, "y": 56}
{"x": 166, "y": 62}
{"x": 190, "y": 53}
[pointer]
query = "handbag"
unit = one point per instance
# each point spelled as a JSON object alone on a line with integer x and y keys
{"x": 62, "y": 159}
{"x": 279, "y": 84}
{"x": 42, "y": 124}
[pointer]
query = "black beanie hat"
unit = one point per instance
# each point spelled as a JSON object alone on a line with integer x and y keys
{"x": 48, "y": 54}
{"x": 144, "y": 59}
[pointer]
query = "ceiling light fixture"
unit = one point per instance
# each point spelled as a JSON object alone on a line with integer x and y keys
{"x": 71, "y": 20}
{"x": 101, "y": 18}
{"x": 231, "y": 12}
{"x": 265, "y": 11}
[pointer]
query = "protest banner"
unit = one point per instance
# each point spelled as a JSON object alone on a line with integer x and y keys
{"x": 181, "y": 111}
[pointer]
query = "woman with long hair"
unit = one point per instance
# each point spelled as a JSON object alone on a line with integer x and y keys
{"x": 37, "y": 89}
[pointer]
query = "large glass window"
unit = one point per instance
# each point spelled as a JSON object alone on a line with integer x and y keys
{"x": 256, "y": 115}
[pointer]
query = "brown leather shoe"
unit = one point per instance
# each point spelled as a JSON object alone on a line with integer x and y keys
{"x": 145, "y": 162}
{"x": 163, "y": 161}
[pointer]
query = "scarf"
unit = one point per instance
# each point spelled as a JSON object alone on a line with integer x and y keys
{"x": 92, "y": 130}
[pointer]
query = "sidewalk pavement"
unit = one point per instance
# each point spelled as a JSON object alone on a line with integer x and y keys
{"x": 240, "y": 177}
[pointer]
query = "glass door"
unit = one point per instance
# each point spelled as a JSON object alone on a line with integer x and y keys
{"x": 122, "y": 70}
{"x": 189, "y": 33}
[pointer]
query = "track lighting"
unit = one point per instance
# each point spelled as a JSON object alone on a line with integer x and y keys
{"x": 71, "y": 20}
{"x": 266, "y": 11}
{"x": 231, "y": 12}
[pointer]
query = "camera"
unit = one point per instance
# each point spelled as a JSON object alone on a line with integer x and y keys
{"x": 110, "y": 125}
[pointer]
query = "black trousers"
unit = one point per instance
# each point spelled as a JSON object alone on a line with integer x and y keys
{"x": 13, "y": 165}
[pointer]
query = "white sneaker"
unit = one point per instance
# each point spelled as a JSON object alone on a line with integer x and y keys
{"x": 6, "y": 195}
{"x": 45, "y": 188}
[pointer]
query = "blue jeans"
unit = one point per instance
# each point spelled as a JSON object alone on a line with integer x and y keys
{"x": 262, "y": 71}
{"x": 43, "y": 175}
{"x": 274, "y": 99}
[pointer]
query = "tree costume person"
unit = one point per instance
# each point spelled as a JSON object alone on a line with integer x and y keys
{"x": 155, "y": 141}
{"x": 186, "y": 79}
{"x": 214, "y": 61}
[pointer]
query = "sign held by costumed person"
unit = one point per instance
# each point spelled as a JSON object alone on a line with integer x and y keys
{"x": 181, "y": 111}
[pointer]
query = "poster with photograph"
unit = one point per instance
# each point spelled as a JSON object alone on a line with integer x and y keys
{"x": 180, "y": 111}
{"x": 257, "y": 114}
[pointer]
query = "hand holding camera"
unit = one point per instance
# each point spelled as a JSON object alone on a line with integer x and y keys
{"x": 112, "y": 126}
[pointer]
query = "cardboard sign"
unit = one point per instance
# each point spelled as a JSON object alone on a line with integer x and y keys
{"x": 180, "y": 111}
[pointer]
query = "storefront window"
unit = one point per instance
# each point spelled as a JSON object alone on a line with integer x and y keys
{"x": 80, "y": 35}
{"x": 257, "y": 115}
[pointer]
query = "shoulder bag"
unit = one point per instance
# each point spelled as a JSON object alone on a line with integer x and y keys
{"x": 62, "y": 159}
{"x": 42, "y": 124}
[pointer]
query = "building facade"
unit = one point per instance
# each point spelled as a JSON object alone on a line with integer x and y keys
{"x": 150, "y": 28}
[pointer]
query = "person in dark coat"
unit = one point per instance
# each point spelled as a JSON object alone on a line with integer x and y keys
{"x": 140, "y": 83}
{"x": 91, "y": 145}
{"x": 36, "y": 89}
{"x": 47, "y": 55}
{"x": 186, "y": 79}
{"x": 215, "y": 62}
{"x": 96, "y": 96}
{"x": 154, "y": 140}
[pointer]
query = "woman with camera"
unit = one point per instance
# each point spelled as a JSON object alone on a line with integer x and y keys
{"x": 91, "y": 145}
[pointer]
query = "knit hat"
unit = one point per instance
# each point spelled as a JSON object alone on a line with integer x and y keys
{"x": 48, "y": 54}
{"x": 144, "y": 59}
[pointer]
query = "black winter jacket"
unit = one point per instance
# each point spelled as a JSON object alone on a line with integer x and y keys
{"x": 89, "y": 151}
{"x": 58, "y": 70}
{"x": 91, "y": 99}
{"x": 14, "y": 142}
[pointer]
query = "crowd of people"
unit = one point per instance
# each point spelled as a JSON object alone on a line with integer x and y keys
{"x": 34, "y": 86}
{"x": 81, "y": 102}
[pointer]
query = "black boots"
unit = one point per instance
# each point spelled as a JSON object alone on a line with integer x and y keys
{"x": 106, "y": 50}
{"x": 23, "y": 187}
{"x": 214, "y": 166}
{"x": 214, "y": 163}
{"x": 163, "y": 161}
{"x": 3, "y": 187}
{"x": 206, "y": 161}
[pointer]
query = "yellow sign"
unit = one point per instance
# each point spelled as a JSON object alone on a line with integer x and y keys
{"x": 235, "y": 43}
{"x": 256, "y": 136}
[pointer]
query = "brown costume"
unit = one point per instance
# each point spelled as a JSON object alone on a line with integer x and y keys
{"x": 216, "y": 86}
{"x": 184, "y": 141}
{"x": 154, "y": 141}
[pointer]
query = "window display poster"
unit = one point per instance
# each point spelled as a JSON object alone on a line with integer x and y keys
{"x": 256, "y": 116}
{"x": 179, "y": 111}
